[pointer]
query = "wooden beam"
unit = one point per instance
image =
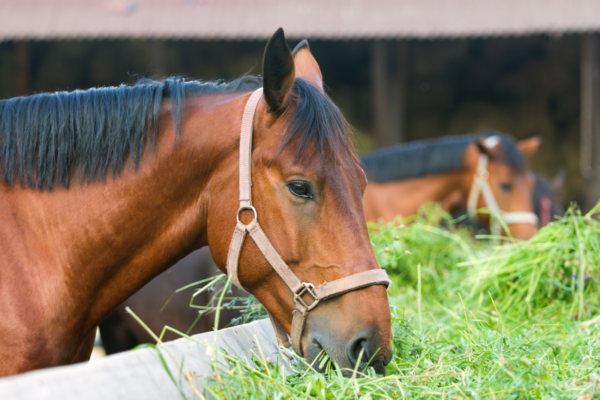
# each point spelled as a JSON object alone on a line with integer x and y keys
{"x": 378, "y": 101}
{"x": 590, "y": 119}
{"x": 158, "y": 62}
{"x": 397, "y": 71}
{"x": 23, "y": 63}
{"x": 388, "y": 83}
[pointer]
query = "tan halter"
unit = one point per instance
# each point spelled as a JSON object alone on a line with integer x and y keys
{"x": 482, "y": 186}
{"x": 298, "y": 288}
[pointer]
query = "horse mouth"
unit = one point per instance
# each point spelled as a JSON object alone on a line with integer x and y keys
{"x": 321, "y": 355}
{"x": 324, "y": 362}
{"x": 361, "y": 370}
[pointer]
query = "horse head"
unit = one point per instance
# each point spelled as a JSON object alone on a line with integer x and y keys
{"x": 307, "y": 189}
{"x": 502, "y": 183}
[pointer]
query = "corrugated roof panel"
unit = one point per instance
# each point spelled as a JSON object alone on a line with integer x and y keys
{"x": 335, "y": 19}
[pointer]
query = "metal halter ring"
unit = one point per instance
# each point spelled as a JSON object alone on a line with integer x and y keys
{"x": 306, "y": 288}
{"x": 483, "y": 174}
{"x": 245, "y": 208}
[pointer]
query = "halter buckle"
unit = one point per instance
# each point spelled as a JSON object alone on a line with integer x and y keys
{"x": 246, "y": 208}
{"x": 306, "y": 288}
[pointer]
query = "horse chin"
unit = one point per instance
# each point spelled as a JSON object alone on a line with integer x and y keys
{"x": 522, "y": 231}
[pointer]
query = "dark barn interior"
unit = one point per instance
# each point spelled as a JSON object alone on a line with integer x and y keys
{"x": 400, "y": 70}
{"x": 390, "y": 90}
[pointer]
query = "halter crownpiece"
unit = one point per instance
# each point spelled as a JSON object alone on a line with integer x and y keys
{"x": 481, "y": 185}
{"x": 298, "y": 288}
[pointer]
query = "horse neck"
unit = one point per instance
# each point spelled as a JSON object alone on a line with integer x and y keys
{"x": 102, "y": 242}
{"x": 387, "y": 200}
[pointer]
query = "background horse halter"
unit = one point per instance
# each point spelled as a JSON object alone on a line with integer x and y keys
{"x": 299, "y": 288}
{"x": 482, "y": 186}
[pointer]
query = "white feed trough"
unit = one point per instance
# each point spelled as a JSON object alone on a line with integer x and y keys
{"x": 140, "y": 373}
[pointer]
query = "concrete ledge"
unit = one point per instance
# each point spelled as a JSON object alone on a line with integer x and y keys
{"x": 140, "y": 373}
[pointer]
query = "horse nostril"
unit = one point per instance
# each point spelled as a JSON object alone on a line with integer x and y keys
{"x": 355, "y": 347}
{"x": 365, "y": 344}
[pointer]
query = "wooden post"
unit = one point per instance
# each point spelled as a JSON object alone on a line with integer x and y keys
{"x": 388, "y": 80}
{"x": 23, "y": 62}
{"x": 157, "y": 59}
{"x": 378, "y": 101}
{"x": 397, "y": 90}
{"x": 590, "y": 119}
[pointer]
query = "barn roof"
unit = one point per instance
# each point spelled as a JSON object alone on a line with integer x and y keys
{"x": 325, "y": 19}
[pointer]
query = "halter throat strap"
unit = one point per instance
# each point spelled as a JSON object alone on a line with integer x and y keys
{"x": 481, "y": 186}
{"x": 299, "y": 289}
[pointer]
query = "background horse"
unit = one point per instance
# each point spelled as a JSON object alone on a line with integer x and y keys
{"x": 102, "y": 190}
{"x": 121, "y": 332}
{"x": 406, "y": 176}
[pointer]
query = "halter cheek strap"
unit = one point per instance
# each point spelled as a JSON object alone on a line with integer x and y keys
{"x": 298, "y": 288}
{"x": 481, "y": 186}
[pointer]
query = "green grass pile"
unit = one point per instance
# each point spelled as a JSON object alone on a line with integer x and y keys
{"x": 428, "y": 244}
{"x": 555, "y": 273}
{"x": 471, "y": 319}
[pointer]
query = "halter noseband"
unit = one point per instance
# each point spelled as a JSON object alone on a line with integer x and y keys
{"x": 481, "y": 185}
{"x": 298, "y": 288}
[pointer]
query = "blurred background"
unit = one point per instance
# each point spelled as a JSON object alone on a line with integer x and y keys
{"x": 400, "y": 70}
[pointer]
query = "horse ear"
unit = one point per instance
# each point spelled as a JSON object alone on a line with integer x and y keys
{"x": 278, "y": 71}
{"x": 306, "y": 65}
{"x": 529, "y": 146}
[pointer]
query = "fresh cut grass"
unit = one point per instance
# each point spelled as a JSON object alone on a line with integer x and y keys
{"x": 472, "y": 319}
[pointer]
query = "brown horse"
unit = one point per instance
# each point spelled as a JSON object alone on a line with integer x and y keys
{"x": 404, "y": 177}
{"x": 75, "y": 243}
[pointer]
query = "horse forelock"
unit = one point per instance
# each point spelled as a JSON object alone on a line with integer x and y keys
{"x": 511, "y": 154}
{"x": 318, "y": 127}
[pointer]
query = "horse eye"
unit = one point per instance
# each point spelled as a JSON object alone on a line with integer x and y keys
{"x": 505, "y": 186}
{"x": 300, "y": 189}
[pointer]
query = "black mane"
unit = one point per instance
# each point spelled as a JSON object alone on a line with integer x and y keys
{"x": 433, "y": 156}
{"x": 47, "y": 138}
